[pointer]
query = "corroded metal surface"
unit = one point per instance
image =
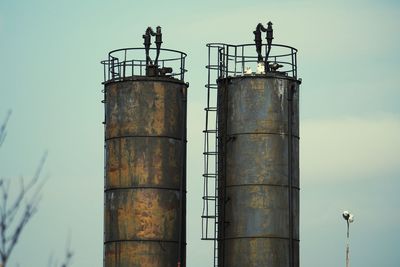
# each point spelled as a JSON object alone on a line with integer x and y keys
{"x": 267, "y": 154}
{"x": 145, "y": 187}
{"x": 137, "y": 254}
{"x": 259, "y": 171}
{"x": 143, "y": 162}
{"x": 142, "y": 214}
{"x": 259, "y": 105}
{"x": 144, "y": 108}
{"x": 260, "y": 252}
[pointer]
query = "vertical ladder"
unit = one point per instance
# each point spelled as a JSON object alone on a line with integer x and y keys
{"x": 210, "y": 176}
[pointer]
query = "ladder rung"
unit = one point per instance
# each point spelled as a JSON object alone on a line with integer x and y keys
{"x": 209, "y": 175}
{"x": 207, "y": 238}
{"x": 208, "y": 217}
{"x": 210, "y": 198}
{"x": 210, "y": 153}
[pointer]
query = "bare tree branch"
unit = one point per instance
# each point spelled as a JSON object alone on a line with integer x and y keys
{"x": 68, "y": 252}
{"x": 3, "y": 132}
{"x": 14, "y": 217}
{"x": 65, "y": 263}
{"x": 16, "y": 211}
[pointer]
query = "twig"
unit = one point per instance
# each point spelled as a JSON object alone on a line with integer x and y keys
{"x": 3, "y": 132}
{"x": 11, "y": 227}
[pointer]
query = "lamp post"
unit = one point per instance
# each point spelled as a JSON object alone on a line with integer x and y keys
{"x": 349, "y": 219}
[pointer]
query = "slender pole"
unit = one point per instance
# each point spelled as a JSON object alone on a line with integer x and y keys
{"x": 348, "y": 247}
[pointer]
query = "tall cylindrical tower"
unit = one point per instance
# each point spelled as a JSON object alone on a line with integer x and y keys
{"x": 257, "y": 187}
{"x": 145, "y": 156}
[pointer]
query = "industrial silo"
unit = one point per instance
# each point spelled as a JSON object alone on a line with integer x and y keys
{"x": 145, "y": 156}
{"x": 251, "y": 190}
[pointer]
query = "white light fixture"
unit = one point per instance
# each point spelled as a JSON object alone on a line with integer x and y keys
{"x": 349, "y": 217}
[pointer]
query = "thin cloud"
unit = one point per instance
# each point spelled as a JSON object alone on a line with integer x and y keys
{"x": 336, "y": 149}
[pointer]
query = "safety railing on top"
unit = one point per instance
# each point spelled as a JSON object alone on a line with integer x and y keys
{"x": 130, "y": 62}
{"x": 239, "y": 60}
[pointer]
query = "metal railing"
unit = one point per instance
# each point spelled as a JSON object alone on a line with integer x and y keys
{"x": 237, "y": 60}
{"x": 130, "y": 62}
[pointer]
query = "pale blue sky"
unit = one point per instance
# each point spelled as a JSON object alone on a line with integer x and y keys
{"x": 350, "y": 115}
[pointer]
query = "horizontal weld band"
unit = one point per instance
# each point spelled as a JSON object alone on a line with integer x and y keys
{"x": 144, "y": 136}
{"x": 142, "y": 187}
{"x": 276, "y": 185}
{"x": 141, "y": 240}
{"x": 262, "y": 133}
{"x": 259, "y": 237}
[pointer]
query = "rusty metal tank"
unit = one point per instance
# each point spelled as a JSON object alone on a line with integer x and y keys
{"x": 145, "y": 163}
{"x": 257, "y": 175}
{"x": 259, "y": 149}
